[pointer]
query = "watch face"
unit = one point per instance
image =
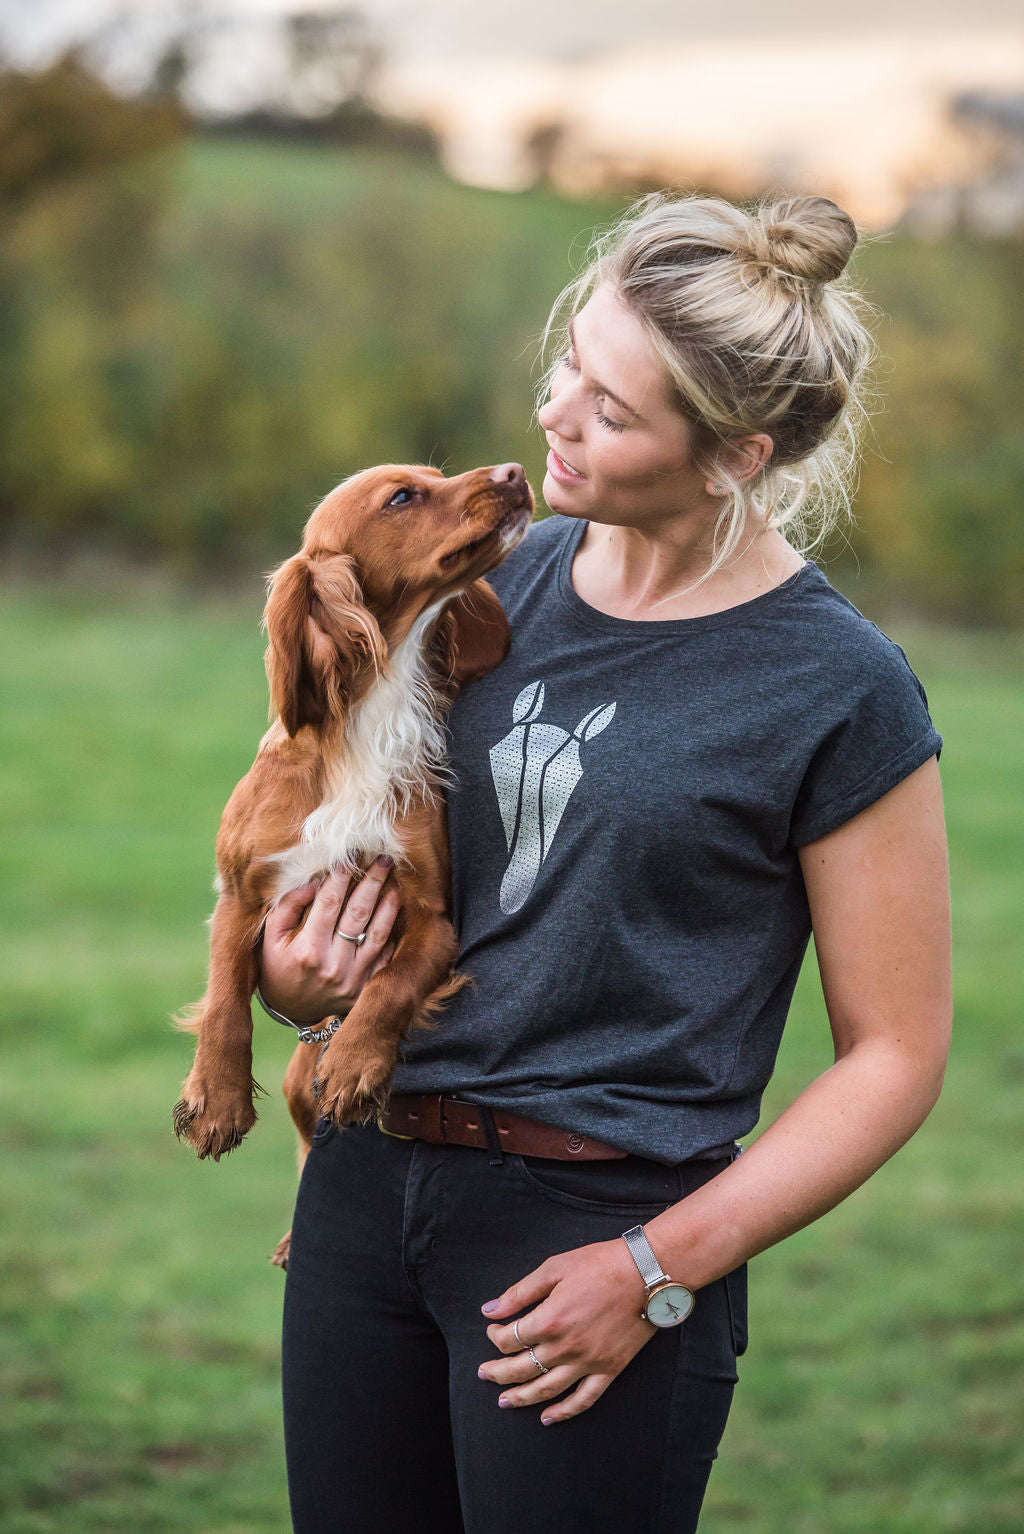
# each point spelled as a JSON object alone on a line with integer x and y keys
{"x": 669, "y": 1305}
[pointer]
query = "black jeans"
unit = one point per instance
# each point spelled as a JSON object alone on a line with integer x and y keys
{"x": 396, "y": 1244}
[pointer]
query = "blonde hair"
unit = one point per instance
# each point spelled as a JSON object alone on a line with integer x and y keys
{"x": 753, "y": 317}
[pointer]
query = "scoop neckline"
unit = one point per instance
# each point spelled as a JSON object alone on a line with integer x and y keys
{"x": 593, "y": 617}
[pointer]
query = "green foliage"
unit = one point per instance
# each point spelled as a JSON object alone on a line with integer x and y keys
{"x": 62, "y": 123}
{"x": 939, "y": 511}
{"x": 139, "y": 1351}
{"x": 195, "y": 347}
{"x": 75, "y": 264}
{"x": 304, "y": 313}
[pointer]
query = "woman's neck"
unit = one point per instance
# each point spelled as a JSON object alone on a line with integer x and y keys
{"x": 628, "y": 572}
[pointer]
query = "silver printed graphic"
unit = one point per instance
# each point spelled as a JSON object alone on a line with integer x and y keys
{"x": 535, "y": 769}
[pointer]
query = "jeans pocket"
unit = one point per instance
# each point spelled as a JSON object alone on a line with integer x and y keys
{"x": 325, "y": 1130}
{"x": 629, "y": 1186}
{"x": 736, "y": 1294}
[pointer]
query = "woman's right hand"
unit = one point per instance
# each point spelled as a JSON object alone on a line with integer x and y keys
{"x": 307, "y": 970}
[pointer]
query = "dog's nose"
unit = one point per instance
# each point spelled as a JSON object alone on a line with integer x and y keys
{"x": 509, "y": 474}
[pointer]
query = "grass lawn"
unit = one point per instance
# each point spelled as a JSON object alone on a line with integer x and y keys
{"x": 139, "y": 1359}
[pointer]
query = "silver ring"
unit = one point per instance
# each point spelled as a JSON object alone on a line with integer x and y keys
{"x": 515, "y": 1333}
{"x": 359, "y": 938}
{"x": 542, "y": 1367}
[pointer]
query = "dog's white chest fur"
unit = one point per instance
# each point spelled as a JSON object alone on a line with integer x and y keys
{"x": 392, "y": 753}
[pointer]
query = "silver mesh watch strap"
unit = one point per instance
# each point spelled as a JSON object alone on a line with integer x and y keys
{"x": 643, "y": 1255}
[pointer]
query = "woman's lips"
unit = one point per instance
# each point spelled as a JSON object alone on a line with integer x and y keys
{"x": 559, "y": 469}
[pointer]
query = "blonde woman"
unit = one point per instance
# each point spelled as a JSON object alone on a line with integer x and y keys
{"x": 518, "y": 1307}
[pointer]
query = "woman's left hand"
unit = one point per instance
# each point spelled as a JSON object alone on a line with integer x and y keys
{"x": 585, "y": 1326}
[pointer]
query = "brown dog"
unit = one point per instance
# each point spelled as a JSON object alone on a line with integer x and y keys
{"x": 371, "y": 628}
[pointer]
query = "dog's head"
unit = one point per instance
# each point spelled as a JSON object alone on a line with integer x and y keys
{"x": 380, "y": 550}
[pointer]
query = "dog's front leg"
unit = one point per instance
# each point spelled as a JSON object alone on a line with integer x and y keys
{"x": 352, "y": 1078}
{"x": 216, "y": 1109}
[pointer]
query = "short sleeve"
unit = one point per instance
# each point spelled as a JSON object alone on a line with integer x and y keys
{"x": 877, "y": 731}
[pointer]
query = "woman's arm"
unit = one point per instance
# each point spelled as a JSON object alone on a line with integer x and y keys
{"x": 879, "y": 897}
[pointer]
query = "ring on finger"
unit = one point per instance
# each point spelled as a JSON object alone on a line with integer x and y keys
{"x": 515, "y": 1333}
{"x": 534, "y": 1359}
{"x": 358, "y": 938}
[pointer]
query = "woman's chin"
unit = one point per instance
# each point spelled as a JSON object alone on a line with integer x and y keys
{"x": 559, "y": 498}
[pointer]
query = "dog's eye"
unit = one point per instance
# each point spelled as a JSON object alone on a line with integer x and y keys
{"x": 401, "y": 497}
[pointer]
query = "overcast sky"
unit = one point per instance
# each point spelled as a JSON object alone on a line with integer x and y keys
{"x": 733, "y": 93}
{"x": 565, "y": 30}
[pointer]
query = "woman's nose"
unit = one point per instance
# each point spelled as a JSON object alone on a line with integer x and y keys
{"x": 554, "y": 416}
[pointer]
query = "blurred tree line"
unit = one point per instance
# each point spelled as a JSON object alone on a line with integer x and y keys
{"x": 200, "y": 335}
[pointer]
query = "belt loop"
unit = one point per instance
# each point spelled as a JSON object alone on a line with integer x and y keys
{"x": 432, "y": 1106}
{"x": 493, "y": 1143}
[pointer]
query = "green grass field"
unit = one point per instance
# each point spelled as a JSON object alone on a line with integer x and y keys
{"x": 139, "y": 1359}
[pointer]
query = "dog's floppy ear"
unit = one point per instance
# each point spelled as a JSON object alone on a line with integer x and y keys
{"x": 321, "y": 637}
{"x": 472, "y": 635}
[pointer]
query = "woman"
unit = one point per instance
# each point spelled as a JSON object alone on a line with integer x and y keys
{"x": 695, "y": 752}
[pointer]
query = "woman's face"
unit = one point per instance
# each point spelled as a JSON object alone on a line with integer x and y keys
{"x": 620, "y": 450}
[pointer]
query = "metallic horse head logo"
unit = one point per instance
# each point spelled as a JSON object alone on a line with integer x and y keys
{"x": 535, "y": 769}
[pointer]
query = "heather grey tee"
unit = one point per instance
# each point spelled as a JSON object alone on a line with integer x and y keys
{"x": 629, "y": 799}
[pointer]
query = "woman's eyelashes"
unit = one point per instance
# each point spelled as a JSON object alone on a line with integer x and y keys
{"x": 569, "y": 361}
{"x": 609, "y": 424}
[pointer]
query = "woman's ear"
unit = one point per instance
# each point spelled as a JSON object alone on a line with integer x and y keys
{"x": 320, "y": 638}
{"x": 744, "y": 457}
{"x": 472, "y": 635}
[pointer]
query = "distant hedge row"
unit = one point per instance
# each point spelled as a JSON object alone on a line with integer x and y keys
{"x": 195, "y": 346}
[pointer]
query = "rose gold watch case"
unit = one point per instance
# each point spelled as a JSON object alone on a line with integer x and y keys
{"x": 674, "y": 1310}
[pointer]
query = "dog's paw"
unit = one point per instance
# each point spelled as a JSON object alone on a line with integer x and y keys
{"x": 354, "y": 1089}
{"x": 279, "y": 1256}
{"x": 212, "y": 1123}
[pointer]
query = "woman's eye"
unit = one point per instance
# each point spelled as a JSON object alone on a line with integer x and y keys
{"x": 609, "y": 424}
{"x": 569, "y": 361}
{"x": 401, "y": 498}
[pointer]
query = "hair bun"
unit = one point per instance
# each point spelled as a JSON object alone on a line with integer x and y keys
{"x": 808, "y": 238}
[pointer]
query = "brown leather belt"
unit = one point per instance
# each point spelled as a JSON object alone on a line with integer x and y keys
{"x": 444, "y": 1120}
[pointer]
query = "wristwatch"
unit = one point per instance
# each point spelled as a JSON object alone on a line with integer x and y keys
{"x": 668, "y": 1302}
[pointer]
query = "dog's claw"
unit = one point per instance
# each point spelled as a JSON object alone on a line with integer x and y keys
{"x": 183, "y": 1116}
{"x": 212, "y": 1135}
{"x": 353, "y": 1095}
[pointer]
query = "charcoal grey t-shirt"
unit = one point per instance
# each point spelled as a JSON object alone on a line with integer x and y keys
{"x": 629, "y": 798}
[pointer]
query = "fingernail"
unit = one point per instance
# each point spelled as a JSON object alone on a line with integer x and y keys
{"x": 385, "y": 862}
{"x": 481, "y": 1373}
{"x": 547, "y": 1421}
{"x": 504, "y": 1401}
{"x": 490, "y": 1307}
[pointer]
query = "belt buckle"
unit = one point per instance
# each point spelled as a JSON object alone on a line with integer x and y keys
{"x": 391, "y": 1132}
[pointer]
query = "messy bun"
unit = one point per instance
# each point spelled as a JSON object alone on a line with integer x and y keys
{"x": 802, "y": 239}
{"x": 752, "y": 315}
